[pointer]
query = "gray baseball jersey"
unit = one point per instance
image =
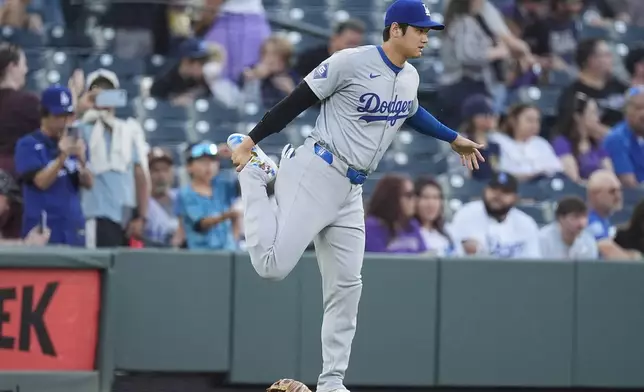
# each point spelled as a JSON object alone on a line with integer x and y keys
{"x": 365, "y": 100}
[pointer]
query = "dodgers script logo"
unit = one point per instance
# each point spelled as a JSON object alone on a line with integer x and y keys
{"x": 381, "y": 110}
{"x": 504, "y": 250}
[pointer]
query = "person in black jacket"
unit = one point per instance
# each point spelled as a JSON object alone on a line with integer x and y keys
{"x": 631, "y": 235}
{"x": 185, "y": 81}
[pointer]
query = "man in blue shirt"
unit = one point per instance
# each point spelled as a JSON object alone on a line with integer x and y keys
{"x": 625, "y": 142}
{"x": 51, "y": 166}
{"x": 605, "y": 198}
{"x": 205, "y": 206}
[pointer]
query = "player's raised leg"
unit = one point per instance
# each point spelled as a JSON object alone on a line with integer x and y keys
{"x": 340, "y": 252}
{"x": 306, "y": 203}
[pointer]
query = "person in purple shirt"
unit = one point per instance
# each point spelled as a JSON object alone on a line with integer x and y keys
{"x": 390, "y": 225}
{"x": 580, "y": 151}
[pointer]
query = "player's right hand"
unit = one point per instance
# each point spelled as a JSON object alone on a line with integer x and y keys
{"x": 469, "y": 152}
{"x": 242, "y": 154}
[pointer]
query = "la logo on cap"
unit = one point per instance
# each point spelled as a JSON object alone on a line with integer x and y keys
{"x": 64, "y": 99}
{"x": 426, "y": 10}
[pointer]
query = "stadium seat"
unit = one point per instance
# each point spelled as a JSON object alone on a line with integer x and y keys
{"x": 271, "y": 4}
{"x": 545, "y": 98}
{"x": 32, "y": 84}
{"x": 213, "y": 112}
{"x": 455, "y": 186}
{"x": 159, "y": 110}
{"x": 541, "y": 212}
{"x": 58, "y": 37}
{"x": 125, "y": 112}
{"x": 123, "y": 68}
{"x": 216, "y": 133}
{"x": 23, "y": 38}
{"x": 160, "y": 133}
{"x": 532, "y": 191}
{"x": 556, "y": 188}
{"x": 622, "y": 216}
{"x": 52, "y": 66}
{"x": 632, "y": 196}
{"x": 33, "y": 59}
{"x": 417, "y": 166}
{"x": 559, "y": 78}
{"x": 436, "y": 6}
{"x": 587, "y": 32}
{"x": 632, "y": 35}
{"x": 157, "y": 64}
{"x": 132, "y": 87}
{"x": 429, "y": 68}
{"x": 417, "y": 145}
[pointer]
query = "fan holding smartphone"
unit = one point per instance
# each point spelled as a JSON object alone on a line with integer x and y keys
{"x": 116, "y": 205}
{"x": 50, "y": 163}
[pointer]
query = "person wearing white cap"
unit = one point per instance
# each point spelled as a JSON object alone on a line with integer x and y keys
{"x": 117, "y": 204}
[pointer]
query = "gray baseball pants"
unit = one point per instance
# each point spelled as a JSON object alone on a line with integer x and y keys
{"x": 314, "y": 202}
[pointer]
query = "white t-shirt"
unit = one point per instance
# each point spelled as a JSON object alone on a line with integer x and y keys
{"x": 517, "y": 237}
{"x": 584, "y": 247}
{"x": 530, "y": 157}
{"x": 243, "y": 7}
{"x": 438, "y": 244}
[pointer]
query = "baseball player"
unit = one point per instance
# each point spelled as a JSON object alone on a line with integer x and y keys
{"x": 367, "y": 93}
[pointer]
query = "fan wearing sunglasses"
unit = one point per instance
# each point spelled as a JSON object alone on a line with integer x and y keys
{"x": 205, "y": 205}
{"x": 577, "y": 146}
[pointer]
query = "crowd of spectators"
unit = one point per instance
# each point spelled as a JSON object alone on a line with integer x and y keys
{"x": 78, "y": 171}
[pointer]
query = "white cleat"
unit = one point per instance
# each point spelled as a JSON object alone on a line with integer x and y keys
{"x": 258, "y": 158}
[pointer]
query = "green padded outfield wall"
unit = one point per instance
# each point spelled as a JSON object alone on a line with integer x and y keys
{"x": 174, "y": 311}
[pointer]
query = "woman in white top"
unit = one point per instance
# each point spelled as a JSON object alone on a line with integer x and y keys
{"x": 429, "y": 213}
{"x": 524, "y": 153}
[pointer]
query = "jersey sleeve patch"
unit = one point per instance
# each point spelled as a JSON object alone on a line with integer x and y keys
{"x": 321, "y": 72}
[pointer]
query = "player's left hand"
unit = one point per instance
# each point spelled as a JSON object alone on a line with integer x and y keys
{"x": 469, "y": 152}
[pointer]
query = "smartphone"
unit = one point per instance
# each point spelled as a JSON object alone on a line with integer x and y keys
{"x": 73, "y": 131}
{"x": 111, "y": 99}
{"x": 43, "y": 221}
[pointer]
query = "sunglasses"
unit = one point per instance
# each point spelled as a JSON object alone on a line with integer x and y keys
{"x": 203, "y": 150}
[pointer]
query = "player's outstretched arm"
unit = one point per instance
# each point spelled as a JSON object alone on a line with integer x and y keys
{"x": 423, "y": 122}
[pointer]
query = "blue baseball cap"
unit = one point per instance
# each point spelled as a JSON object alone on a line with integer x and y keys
{"x": 504, "y": 182}
{"x": 57, "y": 100}
{"x": 194, "y": 48}
{"x": 476, "y": 104}
{"x": 412, "y": 12}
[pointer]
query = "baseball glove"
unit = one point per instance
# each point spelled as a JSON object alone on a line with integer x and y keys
{"x": 288, "y": 385}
